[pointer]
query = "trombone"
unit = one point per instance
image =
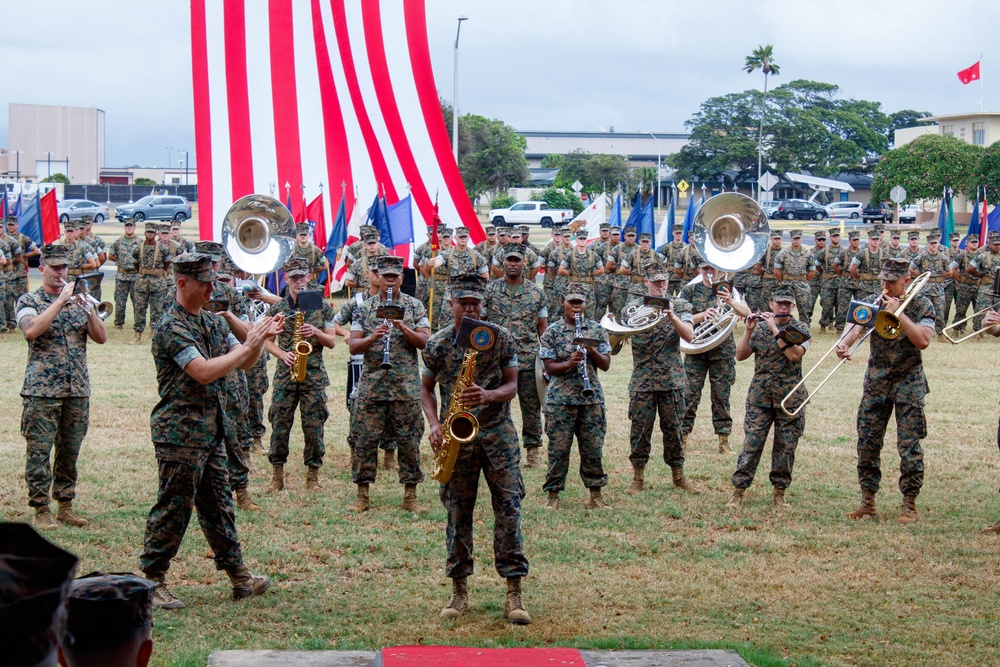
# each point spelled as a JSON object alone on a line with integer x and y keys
{"x": 978, "y": 313}
{"x": 886, "y": 324}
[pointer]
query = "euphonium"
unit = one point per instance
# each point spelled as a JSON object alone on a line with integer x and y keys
{"x": 460, "y": 426}
{"x": 301, "y": 347}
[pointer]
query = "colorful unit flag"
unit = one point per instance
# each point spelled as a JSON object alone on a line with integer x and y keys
{"x": 969, "y": 74}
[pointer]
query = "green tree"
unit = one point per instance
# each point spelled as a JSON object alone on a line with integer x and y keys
{"x": 559, "y": 198}
{"x": 905, "y": 118}
{"x": 144, "y": 181}
{"x": 490, "y": 156}
{"x": 927, "y": 165}
{"x": 502, "y": 200}
{"x": 762, "y": 59}
{"x": 56, "y": 178}
{"x": 989, "y": 172}
{"x": 596, "y": 172}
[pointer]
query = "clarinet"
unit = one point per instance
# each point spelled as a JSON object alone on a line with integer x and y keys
{"x": 386, "y": 364}
{"x": 587, "y": 390}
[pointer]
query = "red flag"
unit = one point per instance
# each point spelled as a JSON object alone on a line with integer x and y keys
{"x": 315, "y": 215}
{"x": 969, "y": 75}
{"x": 50, "y": 217}
{"x": 435, "y": 222}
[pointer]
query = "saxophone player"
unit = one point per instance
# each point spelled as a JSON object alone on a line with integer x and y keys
{"x": 494, "y": 452}
{"x": 309, "y": 394}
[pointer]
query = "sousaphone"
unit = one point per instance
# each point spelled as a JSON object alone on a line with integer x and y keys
{"x": 258, "y": 234}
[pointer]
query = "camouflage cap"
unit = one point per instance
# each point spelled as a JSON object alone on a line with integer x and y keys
{"x": 105, "y": 607}
{"x": 678, "y": 228}
{"x": 389, "y": 265}
{"x": 993, "y": 237}
{"x": 302, "y": 228}
{"x": 820, "y": 235}
{"x": 86, "y": 217}
{"x": 490, "y": 229}
{"x": 954, "y": 236}
{"x": 834, "y": 231}
{"x": 913, "y": 234}
{"x": 55, "y": 254}
{"x": 895, "y": 234}
{"x": 854, "y": 234}
{"x": 630, "y": 231}
{"x": 894, "y": 268}
{"x": 656, "y": 271}
{"x": 366, "y": 228}
{"x": 795, "y": 234}
{"x": 616, "y": 229}
{"x": 567, "y": 233}
{"x": 776, "y": 234}
{"x": 36, "y": 576}
{"x": 213, "y": 248}
{"x": 503, "y": 230}
{"x": 369, "y": 237}
{"x": 974, "y": 238}
{"x": 513, "y": 250}
{"x": 581, "y": 234}
{"x": 128, "y": 222}
{"x": 445, "y": 232}
{"x": 934, "y": 236}
{"x": 296, "y": 266}
{"x": 874, "y": 234}
{"x": 575, "y": 292}
{"x": 467, "y": 286}
{"x": 461, "y": 232}
{"x": 524, "y": 229}
{"x": 150, "y": 226}
{"x": 11, "y": 219}
{"x": 197, "y": 265}
{"x": 604, "y": 227}
{"x": 645, "y": 236}
{"x": 783, "y": 293}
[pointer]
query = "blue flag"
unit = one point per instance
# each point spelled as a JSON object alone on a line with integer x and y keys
{"x": 615, "y": 219}
{"x": 634, "y": 214}
{"x": 973, "y": 224}
{"x": 646, "y": 223}
{"x": 338, "y": 237}
{"x": 400, "y": 217}
{"x": 689, "y": 219}
{"x": 992, "y": 224}
{"x": 15, "y": 209}
{"x": 942, "y": 223}
{"x": 379, "y": 219}
{"x": 30, "y": 220}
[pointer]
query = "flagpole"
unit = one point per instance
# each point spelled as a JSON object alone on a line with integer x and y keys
{"x": 980, "y": 82}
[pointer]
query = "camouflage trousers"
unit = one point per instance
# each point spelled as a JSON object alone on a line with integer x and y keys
{"x": 950, "y": 292}
{"x": 3, "y": 303}
{"x": 257, "y": 384}
{"x": 9, "y": 299}
{"x": 619, "y": 297}
{"x": 911, "y": 428}
{"x": 373, "y": 422}
{"x": 423, "y": 290}
{"x": 436, "y": 310}
{"x": 313, "y": 413}
{"x": 506, "y": 493}
{"x": 587, "y": 423}
{"x": 803, "y": 298}
{"x": 241, "y": 440}
{"x": 531, "y": 409}
{"x": 846, "y": 294}
{"x": 559, "y": 285}
{"x": 787, "y": 430}
{"x": 124, "y": 290}
{"x": 829, "y": 315}
{"x": 236, "y": 465}
{"x": 602, "y": 286}
{"x": 47, "y": 424}
{"x": 984, "y": 299}
{"x": 643, "y": 408}
{"x": 190, "y": 480}
{"x": 150, "y": 292}
{"x": 935, "y": 292}
{"x": 722, "y": 375}
{"x": 965, "y": 297}
{"x": 674, "y": 287}
{"x": 815, "y": 289}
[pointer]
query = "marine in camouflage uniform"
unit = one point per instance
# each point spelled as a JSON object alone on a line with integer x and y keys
{"x": 310, "y": 394}
{"x": 672, "y": 253}
{"x": 99, "y": 248}
{"x": 175, "y": 236}
{"x": 816, "y": 281}
{"x": 420, "y": 255}
{"x": 894, "y": 249}
{"x": 518, "y": 305}
{"x": 826, "y": 270}
{"x": 388, "y": 400}
{"x": 151, "y": 289}
{"x": 849, "y": 285}
{"x": 188, "y": 430}
{"x": 15, "y": 257}
{"x": 357, "y": 275}
{"x": 494, "y": 452}
{"x": 777, "y": 368}
{"x": 543, "y": 255}
{"x": 934, "y": 261}
{"x": 488, "y": 247}
{"x": 437, "y": 282}
{"x": 894, "y": 381}
{"x": 984, "y": 266}
{"x": 310, "y": 252}
{"x": 558, "y": 283}
{"x": 582, "y": 265}
{"x": 765, "y": 269}
{"x": 621, "y": 282}
{"x": 568, "y": 411}
{"x": 865, "y": 265}
{"x": 967, "y": 286}
{"x": 602, "y": 283}
{"x": 123, "y": 253}
{"x": 793, "y": 268}
{"x": 456, "y": 260}
{"x": 637, "y": 264}
{"x": 29, "y": 249}
{"x": 950, "y": 286}
{"x": 56, "y": 389}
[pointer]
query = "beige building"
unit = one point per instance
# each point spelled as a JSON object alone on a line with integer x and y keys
{"x": 45, "y": 140}
{"x": 979, "y": 129}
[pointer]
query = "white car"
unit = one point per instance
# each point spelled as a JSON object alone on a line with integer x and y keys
{"x": 909, "y": 213}
{"x": 74, "y": 209}
{"x": 845, "y": 209}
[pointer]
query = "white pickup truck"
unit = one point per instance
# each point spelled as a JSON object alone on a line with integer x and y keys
{"x": 531, "y": 213}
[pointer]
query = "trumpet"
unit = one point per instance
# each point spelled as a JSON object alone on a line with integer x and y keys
{"x": 588, "y": 391}
{"x": 979, "y": 313}
{"x": 104, "y": 308}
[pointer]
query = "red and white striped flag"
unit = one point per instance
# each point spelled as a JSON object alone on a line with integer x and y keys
{"x": 334, "y": 91}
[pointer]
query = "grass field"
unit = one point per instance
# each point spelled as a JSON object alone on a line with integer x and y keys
{"x": 664, "y": 569}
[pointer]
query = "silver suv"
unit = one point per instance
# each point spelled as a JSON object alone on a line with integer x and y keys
{"x": 156, "y": 207}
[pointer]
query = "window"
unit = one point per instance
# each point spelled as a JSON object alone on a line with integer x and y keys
{"x": 518, "y": 207}
{"x": 948, "y": 130}
{"x": 979, "y": 134}
{"x": 543, "y": 207}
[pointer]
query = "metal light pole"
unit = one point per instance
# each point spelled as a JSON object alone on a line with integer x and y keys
{"x": 185, "y": 168}
{"x": 454, "y": 95}
{"x": 48, "y": 157}
{"x": 659, "y": 153}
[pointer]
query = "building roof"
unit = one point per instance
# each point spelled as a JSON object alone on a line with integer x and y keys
{"x": 956, "y": 116}
{"x": 641, "y": 145}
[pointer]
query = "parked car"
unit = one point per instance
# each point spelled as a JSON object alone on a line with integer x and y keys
{"x": 909, "y": 214}
{"x": 156, "y": 207}
{"x": 877, "y": 210}
{"x": 770, "y": 207}
{"x": 845, "y": 209}
{"x": 74, "y": 209}
{"x": 531, "y": 213}
{"x": 797, "y": 209}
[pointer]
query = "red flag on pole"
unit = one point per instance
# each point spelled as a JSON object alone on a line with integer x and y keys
{"x": 970, "y": 74}
{"x": 435, "y": 223}
{"x": 315, "y": 215}
{"x": 50, "y": 217}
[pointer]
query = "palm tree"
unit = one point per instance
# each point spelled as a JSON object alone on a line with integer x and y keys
{"x": 761, "y": 59}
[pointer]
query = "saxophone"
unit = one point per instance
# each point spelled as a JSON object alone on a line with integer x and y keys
{"x": 301, "y": 347}
{"x": 460, "y": 426}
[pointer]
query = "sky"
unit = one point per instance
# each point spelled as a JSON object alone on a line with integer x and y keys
{"x": 585, "y": 65}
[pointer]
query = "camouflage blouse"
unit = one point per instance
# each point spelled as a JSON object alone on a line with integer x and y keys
{"x": 316, "y": 377}
{"x": 402, "y": 381}
{"x": 895, "y": 367}
{"x": 557, "y": 344}
{"x": 517, "y": 308}
{"x": 57, "y": 360}
{"x": 774, "y": 374}
{"x": 656, "y": 355}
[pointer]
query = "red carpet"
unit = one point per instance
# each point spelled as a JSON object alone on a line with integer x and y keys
{"x": 457, "y": 656}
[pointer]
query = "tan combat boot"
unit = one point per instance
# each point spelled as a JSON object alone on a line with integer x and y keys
{"x": 312, "y": 480}
{"x": 553, "y": 502}
{"x": 459, "y": 602}
{"x": 259, "y": 446}
{"x": 534, "y": 458}
{"x": 724, "y": 443}
{"x": 67, "y": 515}
{"x": 162, "y": 597}
{"x": 277, "y": 479}
{"x": 596, "y": 501}
{"x": 389, "y": 460}
{"x": 513, "y": 605}
{"x": 44, "y": 519}
{"x": 638, "y": 483}
{"x": 246, "y": 584}
{"x": 245, "y": 502}
{"x": 778, "y": 500}
{"x": 736, "y": 500}
{"x": 363, "y": 502}
{"x": 822, "y": 329}
{"x": 119, "y": 327}
{"x": 136, "y": 338}
{"x": 993, "y": 528}
{"x": 681, "y": 482}
{"x": 908, "y": 513}
{"x": 410, "y": 502}
{"x": 866, "y": 508}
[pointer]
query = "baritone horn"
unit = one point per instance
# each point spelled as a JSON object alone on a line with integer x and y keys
{"x": 258, "y": 234}
{"x": 979, "y": 313}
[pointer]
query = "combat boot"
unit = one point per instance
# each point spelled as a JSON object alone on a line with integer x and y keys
{"x": 638, "y": 483}
{"x": 908, "y": 513}
{"x": 778, "y": 500}
{"x": 822, "y": 329}
{"x": 596, "y": 501}
{"x": 277, "y": 479}
{"x": 245, "y": 502}
{"x": 681, "y": 482}
{"x": 534, "y": 458}
{"x": 312, "y": 480}
{"x": 246, "y": 584}
{"x": 513, "y": 605}
{"x": 389, "y": 460}
{"x": 866, "y": 508}
{"x": 724, "y": 443}
{"x": 553, "y": 502}
{"x": 459, "y": 602}
{"x": 993, "y": 528}
{"x": 44, "y": 519}
{"x": 162, "y": 597}
{"x": 736, "y": 500}
{"x": 136, "y": 338}
{"x": 259, "y": 446}
{"x": 67, "y": 515}
{"x": 119, "y": 327}
{"x": 410, "y": 502}
{"x": 363, "y": 502}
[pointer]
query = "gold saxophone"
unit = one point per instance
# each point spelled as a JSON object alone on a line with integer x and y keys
{"x": 302, "y": 348}
{"x": 460, "y": 426}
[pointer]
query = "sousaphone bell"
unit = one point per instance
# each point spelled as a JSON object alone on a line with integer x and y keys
{"x": 258, "y": 234}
